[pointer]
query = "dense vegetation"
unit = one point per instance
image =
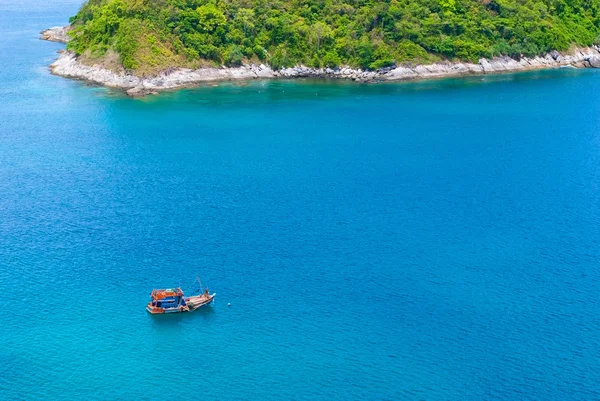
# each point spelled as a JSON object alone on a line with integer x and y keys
{"x": 150, "y": 35}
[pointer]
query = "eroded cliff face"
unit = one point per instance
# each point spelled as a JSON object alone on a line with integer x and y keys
{"x": 69, "y": 65}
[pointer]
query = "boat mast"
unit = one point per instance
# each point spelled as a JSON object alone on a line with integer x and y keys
{"x": 200, "y": 282}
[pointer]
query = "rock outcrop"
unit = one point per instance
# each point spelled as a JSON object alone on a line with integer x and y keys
{"x": 594, "y": 61}
{"x": 68, "y": 65}
{"x": 57, "y": 34}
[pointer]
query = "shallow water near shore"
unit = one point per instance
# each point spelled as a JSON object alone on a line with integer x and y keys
{"x": 428, "y": 240}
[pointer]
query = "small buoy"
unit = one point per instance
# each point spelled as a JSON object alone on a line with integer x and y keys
{"x": 228, "y": 304}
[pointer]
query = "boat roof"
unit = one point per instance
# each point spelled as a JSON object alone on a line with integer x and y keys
{"x": 166, "y": 293}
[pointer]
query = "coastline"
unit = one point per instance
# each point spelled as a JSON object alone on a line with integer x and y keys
{"x": 67, "y": 65}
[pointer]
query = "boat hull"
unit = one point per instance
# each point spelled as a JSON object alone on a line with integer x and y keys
{"x": 161, "y": 311}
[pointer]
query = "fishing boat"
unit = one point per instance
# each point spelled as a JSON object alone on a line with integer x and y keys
{"x": 173, "y": 300}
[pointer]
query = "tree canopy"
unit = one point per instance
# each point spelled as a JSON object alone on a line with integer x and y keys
{"x": 152, "y": 35}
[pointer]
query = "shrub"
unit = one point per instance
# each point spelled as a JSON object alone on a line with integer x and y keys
{"x": 234, "y": 56}
{"x": 260, "y": 52}
{"x": 280, "y": 59}
{"x": 331, "y": 59}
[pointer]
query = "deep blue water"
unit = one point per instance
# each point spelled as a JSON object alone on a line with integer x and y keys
{"x": 435, "y": 240}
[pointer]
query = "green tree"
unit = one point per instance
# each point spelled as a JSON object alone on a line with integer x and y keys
{"x": 245, "y": 17}
{"x": 210, "y": 18}
{"x": 320, "y": 32}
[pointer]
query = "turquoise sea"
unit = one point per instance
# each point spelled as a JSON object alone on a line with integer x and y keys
{"x": 420, "y": 241}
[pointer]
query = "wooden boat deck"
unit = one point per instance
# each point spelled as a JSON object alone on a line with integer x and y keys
{"x": 196, "y": 301}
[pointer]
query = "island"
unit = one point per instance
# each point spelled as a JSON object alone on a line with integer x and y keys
{"x": 144, "y": 46}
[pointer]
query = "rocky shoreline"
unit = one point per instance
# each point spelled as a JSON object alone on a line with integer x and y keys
{"x": 68, "y": 65}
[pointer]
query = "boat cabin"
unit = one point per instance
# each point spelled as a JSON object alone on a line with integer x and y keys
{"x": 170, "y": 300}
